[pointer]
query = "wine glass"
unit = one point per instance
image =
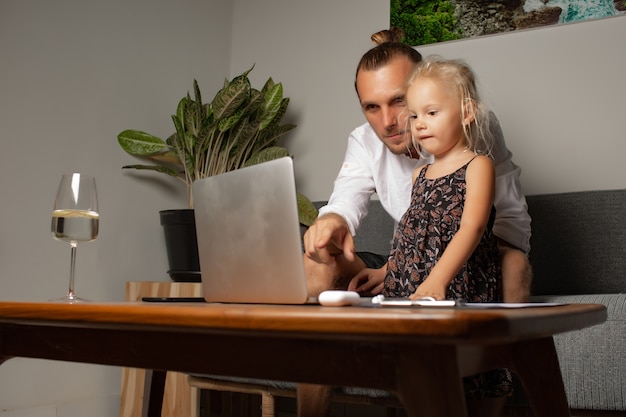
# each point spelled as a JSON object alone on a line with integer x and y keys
{"x": 75, "y": 218}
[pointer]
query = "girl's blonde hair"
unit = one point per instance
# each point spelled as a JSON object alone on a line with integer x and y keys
{"x": 459, "y": 78}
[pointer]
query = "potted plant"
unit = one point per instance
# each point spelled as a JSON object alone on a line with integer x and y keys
{"x": 239, "y": 127}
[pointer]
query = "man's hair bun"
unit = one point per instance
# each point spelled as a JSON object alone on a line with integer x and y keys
{"x": 393, "y": 34}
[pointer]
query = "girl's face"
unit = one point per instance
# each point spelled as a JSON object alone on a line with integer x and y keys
{"x": 435, "y": 116}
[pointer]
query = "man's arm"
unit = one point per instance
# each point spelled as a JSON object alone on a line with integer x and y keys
{"x": 353, "y": 186}
{"x": 512, "y": 222}
{"x": 333, "y": 231}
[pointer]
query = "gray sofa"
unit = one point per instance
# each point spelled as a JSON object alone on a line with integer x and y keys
{"x": 578, "y": 256}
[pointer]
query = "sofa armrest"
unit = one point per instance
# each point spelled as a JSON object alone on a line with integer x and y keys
{"x": 592, "y": 359}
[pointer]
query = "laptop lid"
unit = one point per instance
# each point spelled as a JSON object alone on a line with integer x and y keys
{"x": 249, "y": 235}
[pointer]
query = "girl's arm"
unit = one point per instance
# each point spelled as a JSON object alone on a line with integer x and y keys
{"x": 480, "y": 180}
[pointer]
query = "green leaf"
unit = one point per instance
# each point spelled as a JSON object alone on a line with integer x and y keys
{"x": 179, "y": 118}
{"x": 268, "y": 84}
{"x": 139, "y": 143}
{"x": 173, "y": 140}
{"x": 254, "y": 102}
{"x": 267, "y": 154}
{"x": 242, "y": 138}
{"x": 281, "y": 112}
{"x": 225, "y": 124}
{"x": 190, "y": 120}
{"x": 242, "y": 77}
{"x": 307, "y": 213}
{"x": 271, "y": 105}
{"x": 196, "y": 93}
{"x": 228, "y": 100}
{"x": 270, "y": 136}
{"x": 163, "y": 170}
{"x": 169, "y": 157}
{"x": 207, "y": 114}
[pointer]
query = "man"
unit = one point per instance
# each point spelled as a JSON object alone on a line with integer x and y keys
{"x": 380, "y": 158}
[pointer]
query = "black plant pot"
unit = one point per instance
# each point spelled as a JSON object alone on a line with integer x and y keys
{"x": 179, "y": 228}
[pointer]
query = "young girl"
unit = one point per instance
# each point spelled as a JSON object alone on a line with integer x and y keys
{"x": 443, "y": 246}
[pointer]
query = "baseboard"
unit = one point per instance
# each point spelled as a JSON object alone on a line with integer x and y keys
{"x": 93, "y": 407}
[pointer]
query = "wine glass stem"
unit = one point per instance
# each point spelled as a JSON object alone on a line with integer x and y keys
{"x": 70, "y": 291}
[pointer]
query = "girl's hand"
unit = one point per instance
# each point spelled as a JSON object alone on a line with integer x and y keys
{"x": 431, "y": 289}
{"x": 368, "y": 281}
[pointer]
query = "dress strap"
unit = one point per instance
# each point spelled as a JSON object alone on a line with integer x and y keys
{"x": 422, "y": 174}
{"x": 469, "y": 162}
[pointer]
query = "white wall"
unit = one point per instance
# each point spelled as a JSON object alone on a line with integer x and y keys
{"x": 558, "y": 91}
{"x": 73, "y": 75}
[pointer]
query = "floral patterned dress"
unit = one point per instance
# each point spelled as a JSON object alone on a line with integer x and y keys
{"x": 422, "y": 235}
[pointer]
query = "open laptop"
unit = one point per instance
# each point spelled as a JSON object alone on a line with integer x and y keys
{"x": 248, "y": 234}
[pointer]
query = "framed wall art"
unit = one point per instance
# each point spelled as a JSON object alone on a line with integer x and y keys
{"x": 431, "y": 21}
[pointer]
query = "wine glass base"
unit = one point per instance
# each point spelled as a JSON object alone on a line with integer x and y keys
{"x": 71, "y": 299}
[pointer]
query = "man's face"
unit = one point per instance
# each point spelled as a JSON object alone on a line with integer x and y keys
{"x": 382, "y": 94}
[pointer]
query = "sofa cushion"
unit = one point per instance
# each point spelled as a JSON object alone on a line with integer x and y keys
{"x": 577, "y": 243}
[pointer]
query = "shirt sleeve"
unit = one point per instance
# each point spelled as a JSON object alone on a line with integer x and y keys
{"x": 353, "y": 186}
{"x": 512, "y": 222}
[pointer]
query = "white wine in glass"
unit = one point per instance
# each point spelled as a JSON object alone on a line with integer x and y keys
{"x": 75, "y": 218}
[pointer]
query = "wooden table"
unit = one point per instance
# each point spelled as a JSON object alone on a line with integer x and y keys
{"x": 419, "y": 354}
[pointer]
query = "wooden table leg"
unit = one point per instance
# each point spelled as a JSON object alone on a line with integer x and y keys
{"x": 313, "y": 400}
{"x": 429, "y": 383}
{"x": 154, "y": 388}
{"x": 537, "y": 365}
